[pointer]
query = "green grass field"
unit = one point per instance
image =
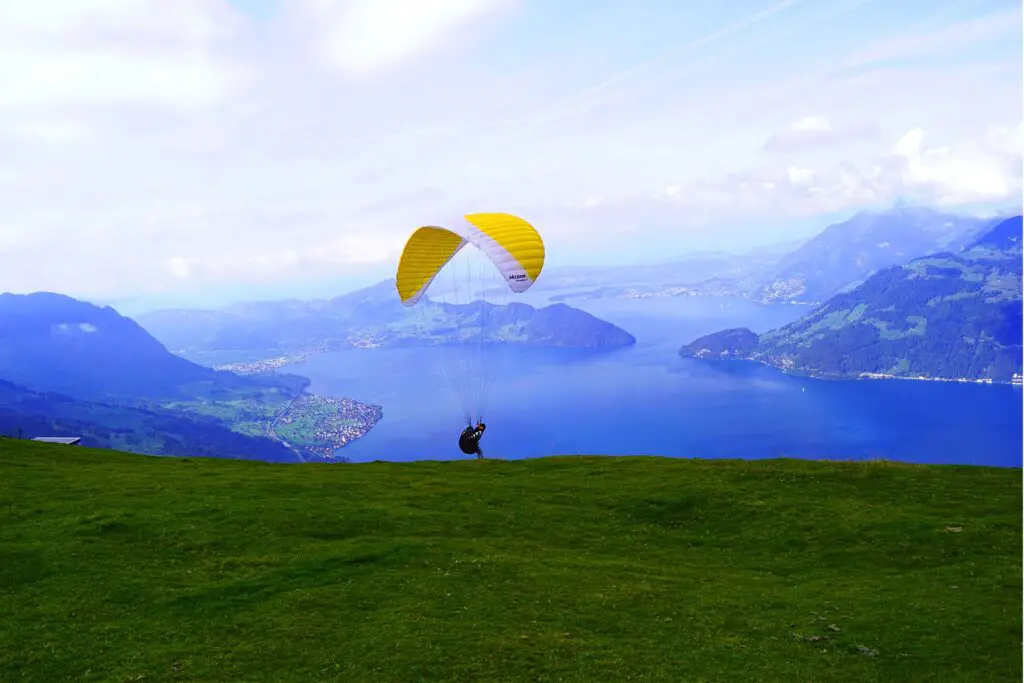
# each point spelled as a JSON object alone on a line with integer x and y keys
{"x": 116, "y": 567}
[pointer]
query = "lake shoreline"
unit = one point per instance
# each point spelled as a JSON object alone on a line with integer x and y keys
{"x": 859, "y": 377}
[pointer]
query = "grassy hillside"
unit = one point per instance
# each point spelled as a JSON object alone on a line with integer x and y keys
{"x": 154, "y": 430}
{"x": 119, "y": 567}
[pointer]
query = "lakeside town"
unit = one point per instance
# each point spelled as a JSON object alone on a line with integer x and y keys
{"x": 314, "y": 426}
{"x": 317, "y": 426}
{"x": 265, "y": 366}
{"x": 1017, "y": 379}
{"x": 786, "y": 366}
{"x": 262, "y": 367}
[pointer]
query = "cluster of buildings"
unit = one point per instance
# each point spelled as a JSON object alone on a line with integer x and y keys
{"x": 335, "y": 423}
{"x": 261, "y": 367}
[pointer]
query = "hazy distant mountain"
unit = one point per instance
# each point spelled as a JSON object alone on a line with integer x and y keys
{"x": 840, "y": 257}
{"x": 54, "y": 343}
{"x": 702, "y": 274}
{"x": 71, "y": 368}
{"x": 370, "y": 317}
{"x": 949, "y": 315}
{"x": 154, "y": 431}
{"x": 1004, "y": 237}
{"x": 845, "y": 254}
{"x": 685, "y": 270}
{"x": 713, "y": 287}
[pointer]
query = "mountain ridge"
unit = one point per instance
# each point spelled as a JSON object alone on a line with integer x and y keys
{"x": 69, "y": 360}
{"x": 950, "y": 315}
{"x": 53, "y": 342}
{"x": 370, "y": 317}
{"x": 145, "y": 430}
{"x": 844, "y": 254}
{"x": 838, "y": 258}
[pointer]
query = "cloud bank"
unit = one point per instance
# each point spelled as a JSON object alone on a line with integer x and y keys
{"x": 196, "y": 145}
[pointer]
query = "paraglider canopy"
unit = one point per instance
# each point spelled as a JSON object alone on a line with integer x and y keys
{"x": 506, "y": 257}
{"x": 510, "y": 243}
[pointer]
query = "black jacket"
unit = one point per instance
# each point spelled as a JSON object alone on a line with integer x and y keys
{"x": 469, "y": 440}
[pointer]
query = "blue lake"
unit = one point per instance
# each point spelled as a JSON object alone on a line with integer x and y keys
{"x": 646, "y": 400}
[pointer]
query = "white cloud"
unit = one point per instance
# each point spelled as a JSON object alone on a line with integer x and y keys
{"x": 367, "y": 35}
{"x": 1006, "y": 139}
{"x": 965, "y": 173}
{"x": 910, "y": 144}
{"x": 194, "y": 21}
{"x": 969, "y": 172}
{"x": 185, "y": 80}
{"x": 800, "y": 176}
{"x": 813, "y": 132}
{"x": 179, "y": 267}
{"x": 809, "y": 123}
{"x": 54, "y": 131}
{"x": 116, "y": 51}
{"x": 154, "y": 146}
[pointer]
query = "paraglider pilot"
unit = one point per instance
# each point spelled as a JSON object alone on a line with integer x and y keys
{"x": 469, "y": 440}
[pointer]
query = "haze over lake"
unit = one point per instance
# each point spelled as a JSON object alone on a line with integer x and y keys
{"x": 646, "y": 400}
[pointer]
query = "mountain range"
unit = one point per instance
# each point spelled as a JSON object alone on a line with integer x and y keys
{"x": 370, "y": 317}
{"x": 54, "y": 343}
{"x": 151, "y": 430}
{"x": 844, "y": 254}
{"x": 68, "y": 367}
{"x": 686, "y": 269}
{"x": 840, "y": 257}
{"x": 949, "y": 315}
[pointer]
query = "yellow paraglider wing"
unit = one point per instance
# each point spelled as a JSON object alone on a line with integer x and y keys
{"x": 428, "y": 250}
{"x": 512, "y": 245}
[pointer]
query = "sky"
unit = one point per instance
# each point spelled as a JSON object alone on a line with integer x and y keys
{"x": 160, "y": 152}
